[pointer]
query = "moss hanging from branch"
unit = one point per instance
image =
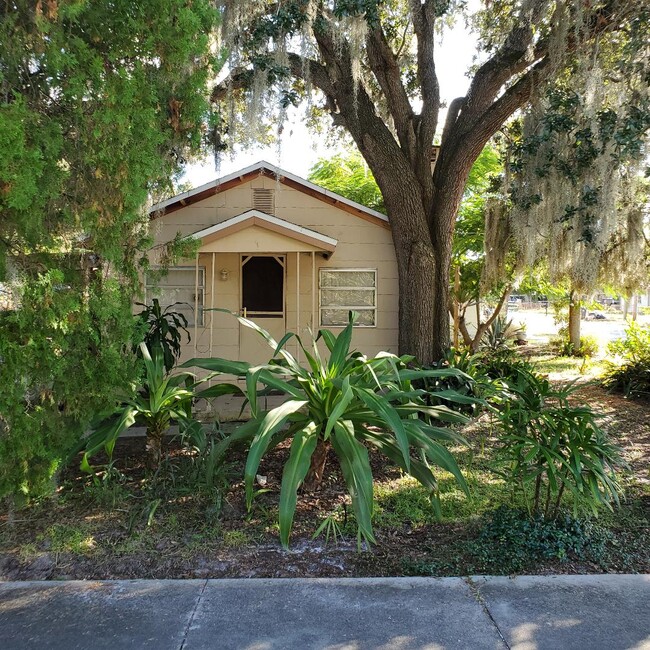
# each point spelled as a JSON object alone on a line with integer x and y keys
{"x": 583, "y": 144}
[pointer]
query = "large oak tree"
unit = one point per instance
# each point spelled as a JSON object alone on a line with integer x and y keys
{"x": 373, "y": 64}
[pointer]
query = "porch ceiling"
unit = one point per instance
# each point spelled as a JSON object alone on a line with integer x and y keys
{"x": 256, "y": 231}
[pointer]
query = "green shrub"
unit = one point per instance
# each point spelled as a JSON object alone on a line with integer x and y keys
{"x": 549, "y": 446}
{"x": 511, "y": 541}
{"x": 162, "y": 399}
{"x": 472, "y": 381}
{"x": 502, "y": 363}
{"x": 344, "y": 403}
{"x": 563, "y": 347}
{"x": 631, "y": 375}
{"x": 502, "y": 333}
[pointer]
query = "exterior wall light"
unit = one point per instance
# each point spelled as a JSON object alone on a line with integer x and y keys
{"x": 224, "y": 273}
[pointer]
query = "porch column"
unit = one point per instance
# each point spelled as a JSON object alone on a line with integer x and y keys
{"x": 214, "y": 261}
{"x": 314, "y": 325}
{"x": 196, "y": 303}
{"x": 297, "y": 302}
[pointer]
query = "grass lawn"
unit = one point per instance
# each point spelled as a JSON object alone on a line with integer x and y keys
{"x": 117, "y": 525}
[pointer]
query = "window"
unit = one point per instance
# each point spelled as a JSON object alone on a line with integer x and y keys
{"x": 177, "y": 288}
{"x": 344, "y": 290}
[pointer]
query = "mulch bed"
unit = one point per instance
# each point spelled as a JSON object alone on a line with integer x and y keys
{"x": 77, "y": 534}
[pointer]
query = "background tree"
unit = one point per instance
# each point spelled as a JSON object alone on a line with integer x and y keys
{"x": 478, "y": 233}
{"x": 347, "y": 174}
{"x": 577, "y": 170}
{"x": 373, "y": 65}
{"x": 100, "y": 103}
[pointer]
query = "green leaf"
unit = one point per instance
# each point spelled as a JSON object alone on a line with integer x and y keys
{"x": 436, "y": 453}
{"x": 339, "y": 409}
{"x": 238, "y": 368}
{"x": 387, "y": 446}
{"x": 341, "y": 347}
{"x": 272, "y": 421}
{"x": 391, "y": 418}
{"x": 217, "y": 390}
{"x": 355, "y": 465}
{"x": 106, "y": 435}
{"x": 295, "y": 470}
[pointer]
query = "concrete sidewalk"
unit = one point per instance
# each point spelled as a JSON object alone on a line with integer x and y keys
{"x": 526, "y": 613}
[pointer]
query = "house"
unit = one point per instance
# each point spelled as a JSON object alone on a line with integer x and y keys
{"x": 286, "y": 253}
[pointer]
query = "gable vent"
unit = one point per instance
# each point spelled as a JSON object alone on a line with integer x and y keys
{"x": 264, "y": 200}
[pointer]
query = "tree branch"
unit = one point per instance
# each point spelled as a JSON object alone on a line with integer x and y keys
{"x": 504, "y": 63}
{"x": 452, "y": 114}
{"x": 423, "y": 25}
{"x": 481, "y": 328}
{"x": 386, "y": 70}
{"x": 513, "y": 99}
{"x": 238, "y": 79}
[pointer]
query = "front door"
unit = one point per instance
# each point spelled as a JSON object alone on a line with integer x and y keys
{"x": 263, "y": 281}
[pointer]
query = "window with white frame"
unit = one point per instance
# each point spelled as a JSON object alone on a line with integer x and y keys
{"x": 344, "y": 290}
{"x": 178, "y": 288}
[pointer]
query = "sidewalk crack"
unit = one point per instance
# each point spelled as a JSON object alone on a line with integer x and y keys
{"x": 193, "y": 614}
{"x": 476, "y": 592}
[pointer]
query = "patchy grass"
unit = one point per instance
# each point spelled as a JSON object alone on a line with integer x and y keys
{"x": 117, "y": 525}
{"x": 568, "y": 368}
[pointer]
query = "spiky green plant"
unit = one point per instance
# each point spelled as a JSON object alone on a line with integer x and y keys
{"x": 163, "y": 398}
{"x": 551, "y": 447}
{"x": 163, "y": 330}
{"x": 345, "y": 403}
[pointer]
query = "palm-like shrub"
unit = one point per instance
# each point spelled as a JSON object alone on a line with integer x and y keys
{"x": 551, "y": 447}
{"x": 162, "y": 399}
{"x": 502, "y": 333}
{"x": 345, "y": 403}
{"x": 472, "y": 381}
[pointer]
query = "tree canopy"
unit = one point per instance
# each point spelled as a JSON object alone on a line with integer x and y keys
{"x": 347, "y": 174}
{"x": 371, "y": 66}
{"x": 100, "y": 104}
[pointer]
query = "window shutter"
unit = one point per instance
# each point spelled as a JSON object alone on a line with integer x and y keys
{"x": 264, "y": 200}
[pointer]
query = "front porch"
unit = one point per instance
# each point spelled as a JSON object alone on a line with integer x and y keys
{"x": 260, "y": 267}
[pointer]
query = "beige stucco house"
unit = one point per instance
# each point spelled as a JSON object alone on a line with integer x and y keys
{"x": 290, "y": 255}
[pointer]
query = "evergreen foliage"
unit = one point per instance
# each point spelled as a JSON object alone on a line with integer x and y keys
{"x": 100, "y": 104}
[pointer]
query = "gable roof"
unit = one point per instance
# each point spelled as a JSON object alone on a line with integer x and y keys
{"x": 264, "y": 168}
{"x": 269, "y": 222}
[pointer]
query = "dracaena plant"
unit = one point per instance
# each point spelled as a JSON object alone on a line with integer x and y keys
{"x": 164, "y": 331}
{"x": 162, "y": 398}
{"x": 551, "y": 447}
{"x": 348, "y": 403}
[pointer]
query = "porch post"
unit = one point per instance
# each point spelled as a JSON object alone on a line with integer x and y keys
{"x": 297, "y": 302}
{"x": 314, "y": 326}
{"x": 214, "y": 259}
{"x": 196, "y": 302}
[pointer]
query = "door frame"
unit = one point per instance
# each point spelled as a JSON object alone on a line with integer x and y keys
{"x": 282, "y": 320}
{"x": 282, "y": 259}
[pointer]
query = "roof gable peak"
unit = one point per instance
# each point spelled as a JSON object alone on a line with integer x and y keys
{"x": 267, "y": 169}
